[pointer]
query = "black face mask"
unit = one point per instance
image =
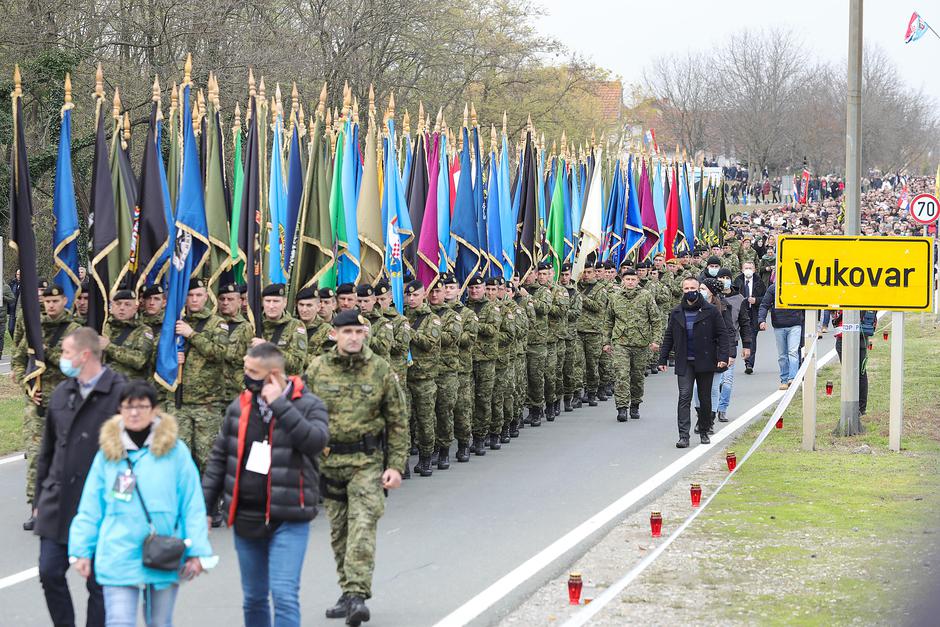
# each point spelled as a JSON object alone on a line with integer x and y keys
{"x": 253, "y": 385}
{"x": 691, "y": 297}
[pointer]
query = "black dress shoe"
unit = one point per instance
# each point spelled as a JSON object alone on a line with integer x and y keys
{"x": 705, "y": 439}
{"x": 622, "y": 415}
{"x": 682, "y": 443}
{"x": 340, "y": 609}
{"x": 29, "y": 524}
{"x": 358, "y": 612}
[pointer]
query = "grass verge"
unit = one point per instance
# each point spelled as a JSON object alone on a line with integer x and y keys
{"x": 11, "y": 416}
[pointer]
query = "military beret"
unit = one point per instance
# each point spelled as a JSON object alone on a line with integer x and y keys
{"x": 599, "y": 265}
{"x": 53, "y": 290}
{"x": 683, "y": 255}
{"x": 42, "y": 284}
{"x": 714, "y": 261}
{"x": 476, "y": 280}
{"x": 660, "y": 254}
{"x": 365, "y": 290}
{"x": 345, "y": 288}
{"x": 307, "y": 293}
{"x": 545, "y": 265}
{"x": 151, "y": 290}
{"x": 228, "y": 288}
{"x": 645, "y": 264}
{"x": 274, "y": 289}
{"x": 566, "y": 267}
{"x": 608, "y": 265}
{"x": 449, "y": 278}
{"x": 242, "y": 288}
{"x": 381, "y": 287}
{"x": 349, "y": 318}
{"x": 123, "y": 295}
{"x": 591, "y": 259}
{"x": 326, "y": 292}
{"x": 414, "y": 286}
{"x": 628, "y": 271}
{"x": 724, "y": 272}
{"x": 195, "y": 284}
{"x": 492, "y": 281}
{"x": 701, "y": 248}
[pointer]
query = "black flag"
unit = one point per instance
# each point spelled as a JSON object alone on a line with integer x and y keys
{"x": 249, "y": 227}
{"x": 23, "y": 241}
{"x": 104, "y": 237}
{"x": 527, "y": 246}
{"x": 417, "y": 198}
{"x": 149, "y": 255}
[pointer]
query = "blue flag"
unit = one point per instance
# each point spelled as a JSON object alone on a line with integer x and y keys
{"x": 399, "y": 221}
{"x": 277, "y": 206}
{"x": 295, "y": 191}
{"x": 494, "y": 235}
{"x": 190, "y": 247}
{"x": 464, "y": 228}
{"x": 167, "y": 208}
{"x": 65, "y": 238}
{"x": 448, "y": 250}
{"x": 349, "y": 263}
{"x": 507, "y": 217}
{"x": 633, "y": 236}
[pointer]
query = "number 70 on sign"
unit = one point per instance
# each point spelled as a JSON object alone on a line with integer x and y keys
{"x": 924, "y": 208}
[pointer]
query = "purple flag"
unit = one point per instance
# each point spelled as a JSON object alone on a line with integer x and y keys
{"x": 427, "y": 261}
{"x": 648, "y": 216}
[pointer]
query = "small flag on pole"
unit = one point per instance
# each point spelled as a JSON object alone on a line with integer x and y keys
{"x": 916, "y": 28}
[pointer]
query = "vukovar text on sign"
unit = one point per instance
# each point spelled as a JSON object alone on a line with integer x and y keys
{"x": 893, "y": 273}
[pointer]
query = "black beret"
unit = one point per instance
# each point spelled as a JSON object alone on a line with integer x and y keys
{"x": 151, "y": 290}
{"x": 364, "y": 290}
{"x": 591, "y": 259}
{"x": 449, "y": 278}
{"x": 43, "y": 284}
{"x": 53, "y": 290}
{"x": 628, "y": 271}
{"x": 645, "y": 264}
{"x": 608, "y": 265}
{"x": 599, "y": 265}
{"x": 493, "y": 280}
{"x": 714, "y": 261}
{"x": 545, "y": 265}
{"x": 326, "y": 292}
{"x": 307, "y": 293}
{"x": 414, "y": 286}
{"x": 123, "y": 295}
{"x": 348, "y": 318}
{"x": 683, "y": 254}
{"x": 381, "y": 287}
{"x": 566, "y": 267}
{"x": 476, "y": 280}
{"x": 345, "y": 288}
{"x": 274, "y": 289}
{"x": 228, "y": 288}
{"x": 195, "y": 284}
{"x": 724, "y": 272}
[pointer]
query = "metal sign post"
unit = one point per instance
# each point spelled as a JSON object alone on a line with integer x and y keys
{"x": 897, "y": 381}
{"x": 809, "y": 383}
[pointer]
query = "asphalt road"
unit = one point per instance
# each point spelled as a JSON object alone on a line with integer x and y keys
{"x": 445, "y": 538}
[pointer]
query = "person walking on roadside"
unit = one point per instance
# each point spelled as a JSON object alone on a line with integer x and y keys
{"x": 265, "y": 464}
{"x": 696, "y": 332}
{"x": 78, "y": 407}
{"x": 788, "y": 330}
{"x": 751, "y": 288}
{"x": 143, "y": 480}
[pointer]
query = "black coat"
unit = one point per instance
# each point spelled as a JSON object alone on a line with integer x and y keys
{"x": 710, "y": 336}
{"x": 779, "y": 318}
{"x": 69, "y": 445}
{"x": 300, "y": 433}
{"x": 758, "y": 292}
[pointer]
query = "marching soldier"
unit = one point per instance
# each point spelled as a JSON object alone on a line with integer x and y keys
{"x": 524, "y": 317}
{"x": 591, "y": 326}
{"x": 367, "y": 453}
{"x": 282, "y": 329}
{"x": 425, "y": 362}
{"x": 81, "y": 305}
{"x": 508, "y": 307}
{"x": 56, "y": 324}
{"x": 634, "y": 323}
{"x": 319, "y": 341}
{"x": 573, "y": 350}
{"x": 536, "y": 348}
{"x": 401, "y": 330}
{"x": 381, "y": 332}
{"x": 496, "y": 434}
{"x": 606, "y": 364}
{"x": 558, "y": 329}
{"x": 200, "y": 398}
{"x": 484, "y": 363}
{"x": 346, "y": 299}
{"x": 446, "y": 380}
{"x": 463, "y": 409}
{"x": 128, "y": 344}
{"x": 239, "y": 335}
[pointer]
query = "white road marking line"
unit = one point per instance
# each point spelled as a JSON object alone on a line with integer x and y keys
{"x": 19, "y": 577}
{"x": 12, "y": 458}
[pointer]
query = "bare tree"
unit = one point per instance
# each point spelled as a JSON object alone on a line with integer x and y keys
{"x": 682, "y": 86}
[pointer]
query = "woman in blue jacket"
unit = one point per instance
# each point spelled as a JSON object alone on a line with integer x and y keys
{"x": 140, "y": 457}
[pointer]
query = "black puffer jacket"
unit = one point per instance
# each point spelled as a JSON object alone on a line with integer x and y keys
{"x": 300, "y": 431}
{"x": 779, "y": 318}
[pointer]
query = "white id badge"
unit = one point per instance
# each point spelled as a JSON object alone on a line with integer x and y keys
{"x": 259, "y": 458}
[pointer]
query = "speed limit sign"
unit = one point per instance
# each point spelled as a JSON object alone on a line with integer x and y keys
{"x": 924, "y": 208}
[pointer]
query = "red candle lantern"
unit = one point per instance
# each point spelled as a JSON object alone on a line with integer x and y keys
{"x": 656, "y": 524}
{"x": 574, "y": 588}
{"x": 885, "y": 335}
{"x": 870, "y": 345}
{"x": 780, "y": 422}
{"x": 732, "y": 460}
{"x": 828, "y": 388}
{"x": 696, "y": 493}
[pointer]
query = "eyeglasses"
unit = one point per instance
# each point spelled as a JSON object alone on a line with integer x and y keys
{"x": 136, "y": 408}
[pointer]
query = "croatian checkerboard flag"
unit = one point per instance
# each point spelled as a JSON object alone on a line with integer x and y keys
{"x": 915, "y": 28}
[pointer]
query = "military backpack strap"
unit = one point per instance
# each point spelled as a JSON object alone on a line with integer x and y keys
{"x": 122, "y": 336}
{"x": 588, "y": 287}
{"x": 197, "y": 328}
{"x": 57, "y": 334}
{"x": 232, "y": 326}
{"x": 278, "y": 332}
{"x": 418, "y": 320}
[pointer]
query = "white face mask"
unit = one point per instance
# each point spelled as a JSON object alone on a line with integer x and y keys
{"x": 706, "y": 293}
{"x": 748, "y": 273}
{"x": 713, "y": 271}
{"x": 726, "y": 284}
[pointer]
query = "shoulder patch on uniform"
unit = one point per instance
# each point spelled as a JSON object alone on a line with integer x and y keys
{"x": 148, "y": 334}
{"x": 436, "y": 321}
{"x": 459, "y": 318}
{"x": 223, "y": 326}
{"x": 301, "y": 330}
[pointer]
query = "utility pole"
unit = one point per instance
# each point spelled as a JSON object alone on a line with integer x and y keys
{"x": 849, "y": 422}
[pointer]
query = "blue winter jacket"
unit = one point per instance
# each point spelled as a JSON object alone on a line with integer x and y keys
{"x": 113, "y": 531}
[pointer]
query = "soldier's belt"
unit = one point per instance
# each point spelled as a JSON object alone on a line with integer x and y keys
{"x": 368, "y": 445}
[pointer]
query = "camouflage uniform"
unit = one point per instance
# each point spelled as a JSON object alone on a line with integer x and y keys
{"x": 131, "y": 349}
{"x": 202, "y": 399}
{"x": 573, "y": 367}
{"x": 634, "y": 323}
{"x": 34, "y": 418}
{"x": 484, "y": 364}
{"x": 363, "y": 398}
{"x": 500, "y": 417}
{"x": 239, "y": 335}
{"x": 290, "y": 336}
{"x": 765, "y": 269}
{"x": 606, "y": 361}
{"x": 398, "y": 352}
{"x": 381, "y": 333}
{"x": 524, "y": 316}
{"x": 318, "y": 341}
{"x": 747, "y": 254}
{"x": 463, "y": 409}
{"x": 731, "y": 262}
{"x": 558, "y": 330}
{"x": 591, "y": 326}
{"x": 425, "y": 363}
{"x": 537, "y": 350}
{"x": 446, "y": 380}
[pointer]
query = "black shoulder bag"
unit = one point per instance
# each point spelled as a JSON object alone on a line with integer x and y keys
{"x": 160, "y": 552}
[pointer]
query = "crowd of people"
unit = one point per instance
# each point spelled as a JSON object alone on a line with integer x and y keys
{"x": 335, "y": 399}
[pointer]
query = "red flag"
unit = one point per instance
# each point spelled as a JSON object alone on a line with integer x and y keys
{"x": 672, "y": 217}
{"x": 804, "y": 187}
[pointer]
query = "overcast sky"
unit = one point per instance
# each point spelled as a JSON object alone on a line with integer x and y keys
{"x": 624, "y": 35}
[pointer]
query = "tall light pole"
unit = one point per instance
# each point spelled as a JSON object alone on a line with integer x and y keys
{"x": 849, "y": 422}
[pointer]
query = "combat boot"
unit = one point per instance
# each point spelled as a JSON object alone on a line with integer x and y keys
{"x": 358, "y": 612}
{"x": 340, "y": 609}
{"x": 535, "y": 416}
{"x": 557, "y": 407}
{"x": 424, "y": 466}
{"x": 602, "y": 393}
{"x": 520, "y": 422}
{"x": 576, "y": 401}
{"x": 463, "y": 452}
{"x": 610, "y": 390}
{"x": 504, "y": 435}
{"x": 584, "y": 395}
{"x": 514, "y": 428}
{"x": 414, "y": 447}
{"x": 407, "y": 474}
{"x": 622, "y": 414}
{"x": 443, "y": 458}
{"x": 479, "y": 446}
{"x": 635, "y": 411}
{"x": 492, "y": 440}
{"x": 592, "y": 399}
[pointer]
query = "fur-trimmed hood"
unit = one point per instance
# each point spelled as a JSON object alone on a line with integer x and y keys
{"x": 113, "y": 441}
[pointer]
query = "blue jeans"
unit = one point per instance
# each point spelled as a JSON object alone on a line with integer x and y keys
{"x": 271, "y": 567}
{"x": 714, "y": 392}
{"x": 726, "y": 383}
{"x": 788, "y": 351}
{"x": 120, "y": 606}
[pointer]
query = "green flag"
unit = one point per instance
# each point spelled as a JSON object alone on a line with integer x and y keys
{"x": 217, "y": 198}
{"x": 237, "y": 255}
{"x": 337, "y": 209}
{"x": 555, "y": 233}
{"x": 124, "y": 188}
